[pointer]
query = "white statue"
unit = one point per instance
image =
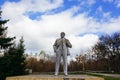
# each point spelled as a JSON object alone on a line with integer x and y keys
{"x": 61, "y": 46}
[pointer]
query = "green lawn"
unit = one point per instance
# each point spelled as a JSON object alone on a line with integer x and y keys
{"x": 105, "y": 77}
{"x": 84, "y": 73}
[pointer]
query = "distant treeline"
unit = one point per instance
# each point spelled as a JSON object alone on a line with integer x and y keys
{"x": 104, "y": 56}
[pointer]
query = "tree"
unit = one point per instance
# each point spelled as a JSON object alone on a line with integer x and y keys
{"x": 5, "y": 43}
{"x": 13, "y": 62}
{"x": 19, "y": 58}
{"x": 109, "y": 48}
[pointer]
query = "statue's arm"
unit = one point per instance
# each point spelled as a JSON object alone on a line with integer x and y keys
{"x": 69, "y": 44}
{"x": 55, "y": 46}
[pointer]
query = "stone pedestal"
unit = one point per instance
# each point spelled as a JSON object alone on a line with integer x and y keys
{"x": 52, "y": 77}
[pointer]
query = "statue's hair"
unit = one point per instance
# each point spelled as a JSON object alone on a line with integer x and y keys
{"x": 62, "y": 33}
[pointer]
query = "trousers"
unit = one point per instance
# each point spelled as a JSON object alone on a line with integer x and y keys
{"x": 61, "y": 53}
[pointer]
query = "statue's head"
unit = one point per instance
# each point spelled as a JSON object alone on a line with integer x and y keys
{"x": 62, "y": 34}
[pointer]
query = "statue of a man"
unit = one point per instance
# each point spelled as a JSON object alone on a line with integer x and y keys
{"x": 61, "y": 46}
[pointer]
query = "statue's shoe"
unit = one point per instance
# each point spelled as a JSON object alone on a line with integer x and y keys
{"x": 55, "y": 74}
{"x": 66, "y": 74}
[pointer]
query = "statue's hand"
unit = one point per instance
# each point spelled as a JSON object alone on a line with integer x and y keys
{"x": 68, "y": 54}
{"x": 54, "y": 51}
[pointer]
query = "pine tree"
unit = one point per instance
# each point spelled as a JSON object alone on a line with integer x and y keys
{"x": 20, "y": 57}
{"x": 5, "y": 41}
{"x": 14, "y": 61}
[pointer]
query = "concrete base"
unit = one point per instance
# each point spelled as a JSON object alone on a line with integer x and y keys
{"x": 52, "y": 77}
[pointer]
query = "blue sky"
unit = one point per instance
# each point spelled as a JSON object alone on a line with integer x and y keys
{"x": 41, "y": 21}
{"x": 108, "y": 6}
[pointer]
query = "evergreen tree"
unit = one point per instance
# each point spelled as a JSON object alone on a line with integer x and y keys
{"x": 14, "y": 61}
{"x": 20, "y": 57}
{"x": 5, "y": 41}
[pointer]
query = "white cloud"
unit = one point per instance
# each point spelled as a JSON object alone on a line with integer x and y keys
{"x": 112, "y": 26}
{"x": 41, "y": 34}
{"x": 33, "y": 5}
{"x": 99, "y": 10}
{"x": 117, "y": 3}
{"x": 90, "y": 2}
{"x": 82, "y": 42}
{"x": 110, "y": 1}
{"x": 102, "y": 14}
{"x": 107, "y": 15}
{"x": 87, "y": 2}
{"x": 42, "y": 5}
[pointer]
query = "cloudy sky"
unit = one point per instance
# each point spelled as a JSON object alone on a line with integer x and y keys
{"x": 41, "y": 21}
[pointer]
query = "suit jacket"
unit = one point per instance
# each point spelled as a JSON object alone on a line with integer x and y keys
{"x": 58, "y": 42}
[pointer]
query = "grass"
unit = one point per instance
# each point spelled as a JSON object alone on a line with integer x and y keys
{"x": 76, "y": 72}
{"x": 105, "y": 77}
{"x": 80, "y": 73}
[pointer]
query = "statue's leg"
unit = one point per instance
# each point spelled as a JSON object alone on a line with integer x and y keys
{"x": 58, "y": 59}
{"x": 65, "y": 62}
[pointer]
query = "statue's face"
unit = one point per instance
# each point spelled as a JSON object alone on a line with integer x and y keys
{"x": 62, "y": 35}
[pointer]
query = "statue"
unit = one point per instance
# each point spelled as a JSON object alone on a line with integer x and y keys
{"x": 61, "y": 46}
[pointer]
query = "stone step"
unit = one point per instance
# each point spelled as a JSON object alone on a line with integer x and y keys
{"x": 52, "y": 77}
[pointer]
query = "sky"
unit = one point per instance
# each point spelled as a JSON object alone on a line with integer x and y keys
{"x": 41, "y": 21}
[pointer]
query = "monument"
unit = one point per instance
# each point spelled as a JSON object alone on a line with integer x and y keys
{"x": 61, "y": 46}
